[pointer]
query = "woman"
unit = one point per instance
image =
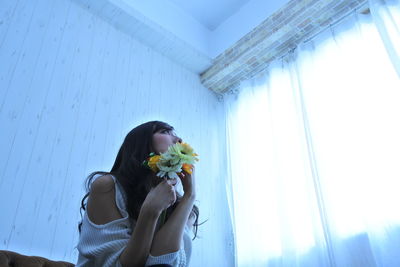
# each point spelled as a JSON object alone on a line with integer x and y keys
{"x": 121, "y": 224}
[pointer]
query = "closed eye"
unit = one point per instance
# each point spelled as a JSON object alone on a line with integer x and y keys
{"x": 168, "y": 132}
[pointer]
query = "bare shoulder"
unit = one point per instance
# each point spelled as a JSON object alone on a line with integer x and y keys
{"x": 103, "y": 184}
{"x": 101, "y": 206}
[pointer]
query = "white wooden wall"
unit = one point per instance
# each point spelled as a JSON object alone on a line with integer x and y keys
{"x": 71, "y": 87}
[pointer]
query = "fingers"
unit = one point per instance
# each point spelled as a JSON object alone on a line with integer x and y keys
{"x": 163, "y": 195}
{"x": 172, "y": 181}
{"x": 167, "y": 184}
{"x": 172, "y": 196}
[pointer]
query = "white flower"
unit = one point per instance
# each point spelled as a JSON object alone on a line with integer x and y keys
{"x": 170, "y": 162}
{"x": 169, "y": 166}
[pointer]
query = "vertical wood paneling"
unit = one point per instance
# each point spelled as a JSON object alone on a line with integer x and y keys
{"x": 14, "y": 28}
{"x": 115, "y": 114}
{"x": 21, "y": 126}
{"x": 49, "y": 127}
{"x": 46, "y": 128}
{"x": 109, "y": 99}
{"x": 66, "y": 110}
{"x": 77, "y": 168}
{"x": 12, "y": 51}
{"x": 25, "y": 136}
{"x": 7, "y": 11}
{"x": 94, "y": 76}
{"x": 66, "y": 207}
{"x": 122, "y": 92}
{"x": 102, "y": 107}
{"x": 71, "y": 88}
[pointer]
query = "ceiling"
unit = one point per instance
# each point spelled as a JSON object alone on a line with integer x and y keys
{"x": 210, "y": 13}
{"x": 191, "y": 32}
{"x": 209, "y": 26}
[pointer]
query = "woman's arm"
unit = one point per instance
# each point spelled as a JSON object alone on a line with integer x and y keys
{"x": 101, "y": 209}
{"x": 168, "y": 238}
{"x": 138, "y": 248}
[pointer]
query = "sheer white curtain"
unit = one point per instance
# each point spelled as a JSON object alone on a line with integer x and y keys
{"x": 386, "y": 14}
{"x": 314, "y": 152}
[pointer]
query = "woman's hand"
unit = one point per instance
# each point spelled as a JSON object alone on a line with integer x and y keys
{"x": 188, "y": 183}
{"x": 138, "y": 248}
{"x": 160, "y": 197}
{"x": 168, "y": 239}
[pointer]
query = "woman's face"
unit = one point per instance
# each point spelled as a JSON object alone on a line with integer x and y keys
{"x": 162, "y": 139}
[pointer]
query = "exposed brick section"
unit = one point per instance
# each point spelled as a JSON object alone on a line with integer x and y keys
{"x": 273, "y": 38}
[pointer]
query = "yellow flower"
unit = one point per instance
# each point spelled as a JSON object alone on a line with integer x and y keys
{"x": 179, "y": 157}
{"x": 153, "y": 162}
{"x": 187, "y": 168}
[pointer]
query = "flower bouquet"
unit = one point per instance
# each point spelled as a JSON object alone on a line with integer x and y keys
{"x": 179, "y": 157}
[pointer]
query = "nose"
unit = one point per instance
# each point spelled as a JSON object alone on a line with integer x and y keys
{"x": 178, "y": 139}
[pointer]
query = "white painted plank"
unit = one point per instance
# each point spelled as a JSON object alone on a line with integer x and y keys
{"x": 68, "y": 204}
{"x": 78, "y": 168}
{"x": 12, "y": 43}
{"x": 64, "y": 128}
{"x": 51, "y": 123}
{"x": 27, "y": 136}
{"x": 100, "y": 119}
{"x": 41, "y": 149}
{"x": 7, "y": 11}
{"x": 44, "y": 134}
{"x": 94, "y": 76}
{"x": 20, "y": 135}
{"x": 10, "y": 54}
{"x": 111, "y": 95}
{"x": 130, "y": 73}
{"x": 115, "y": 128}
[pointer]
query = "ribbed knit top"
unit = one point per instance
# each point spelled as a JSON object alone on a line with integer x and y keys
{"x": 101, "y": 245}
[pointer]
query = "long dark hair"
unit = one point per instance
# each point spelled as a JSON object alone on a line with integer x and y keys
{"x": 135, "y": 179}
